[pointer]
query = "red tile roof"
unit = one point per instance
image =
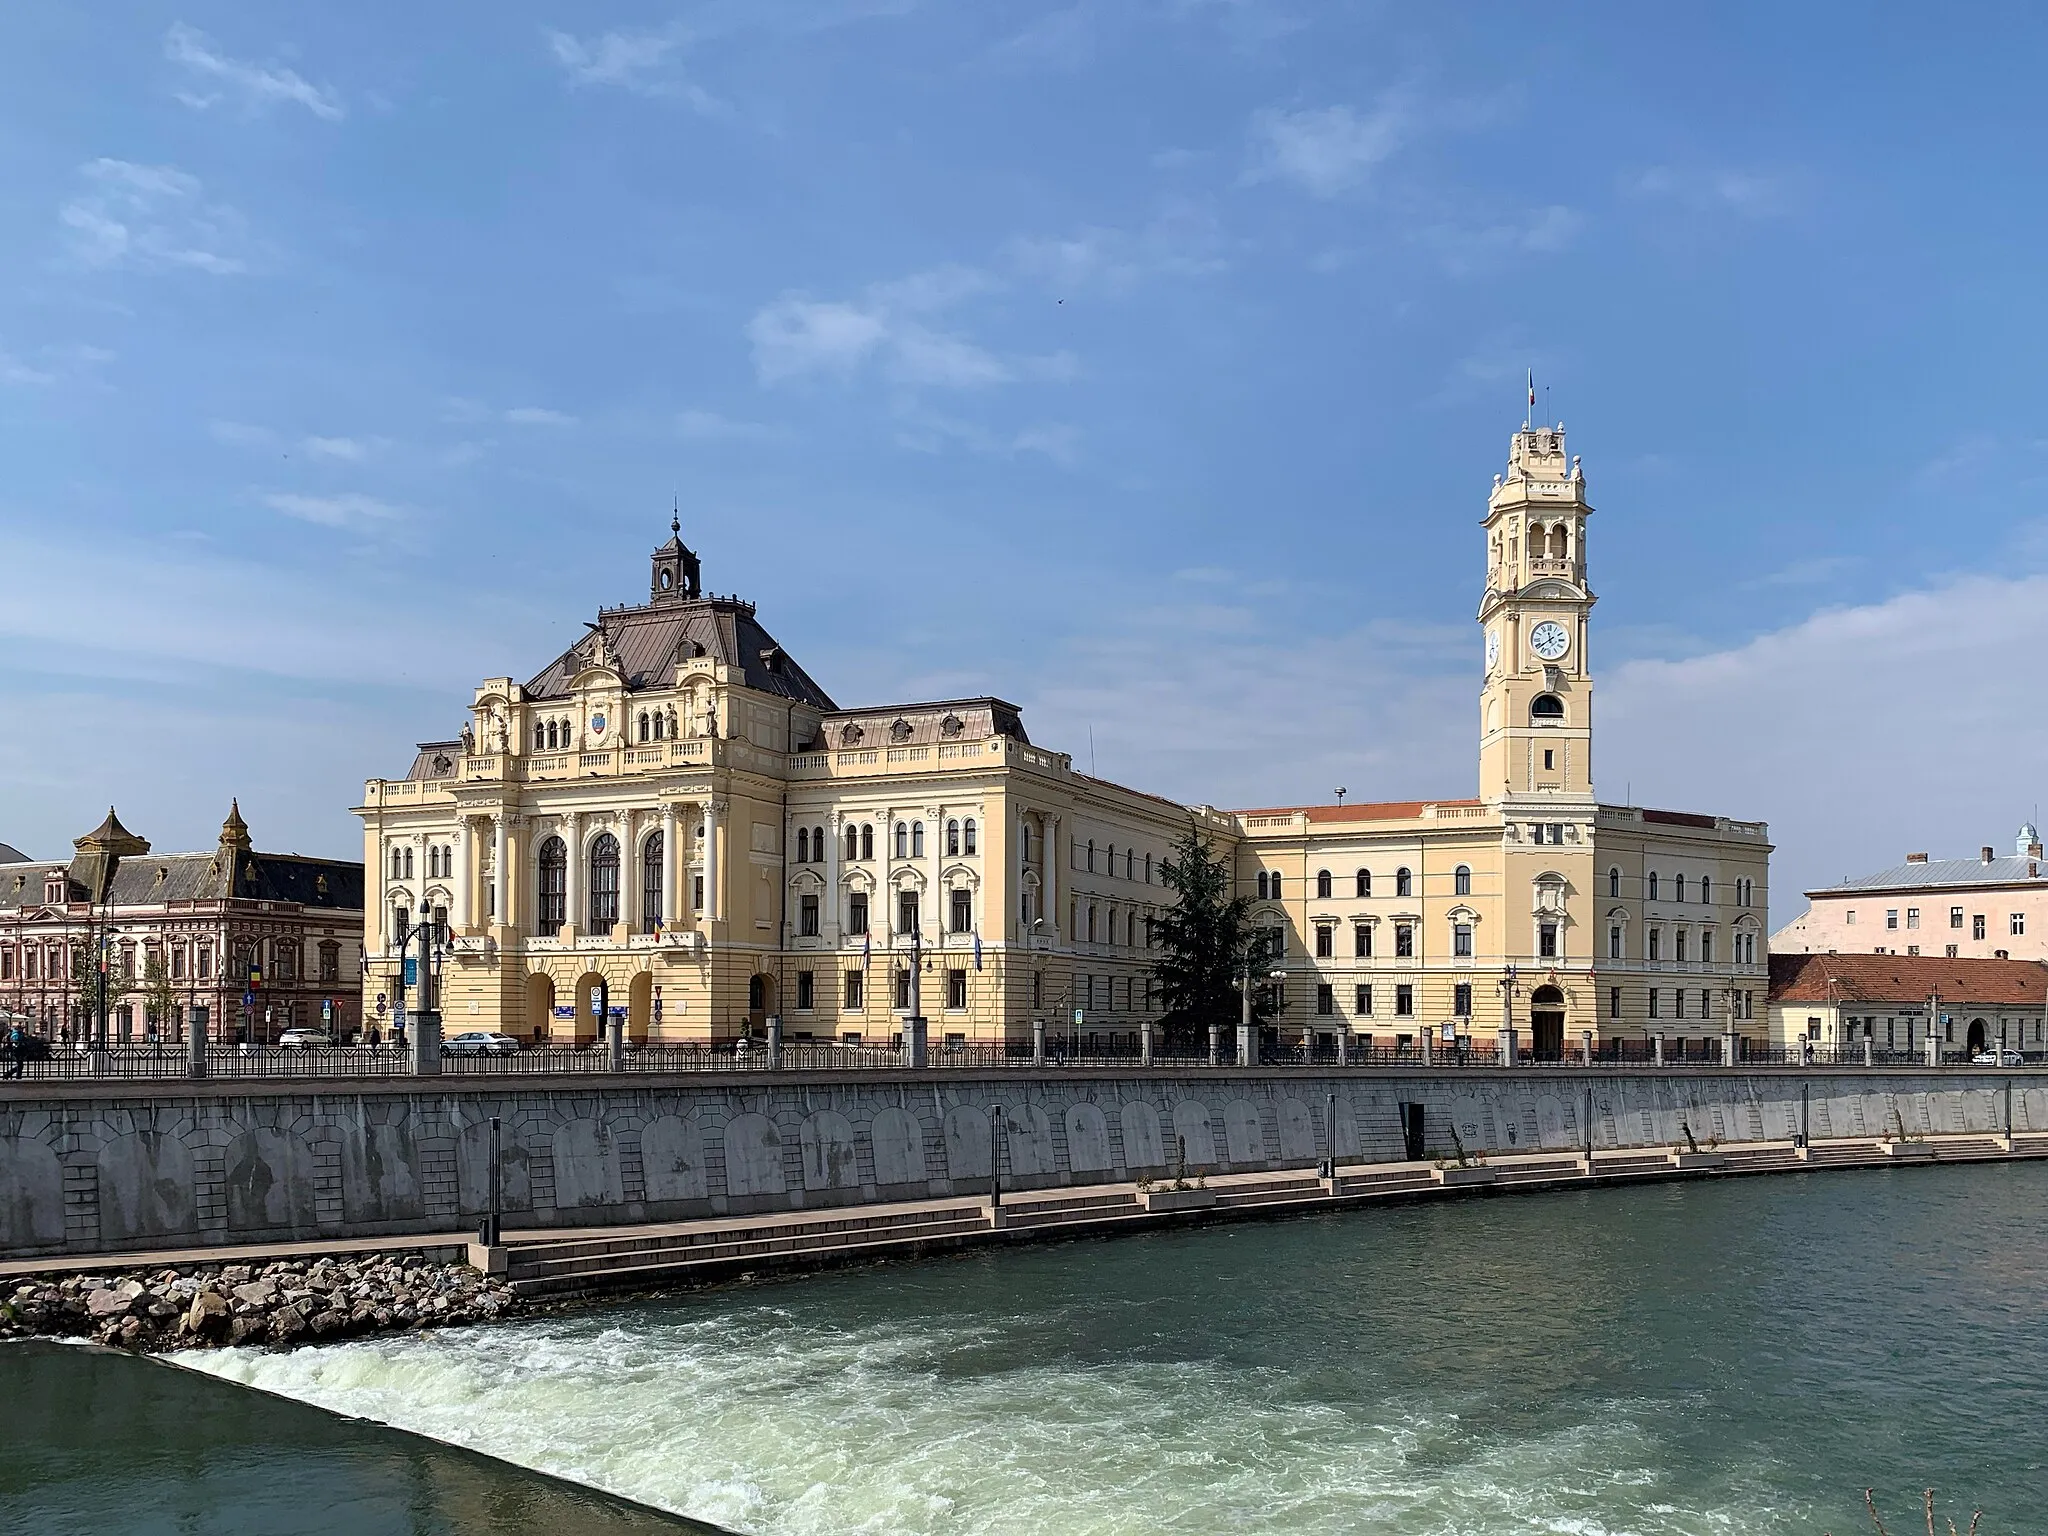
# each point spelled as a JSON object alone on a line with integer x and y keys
{"x": 1907, "y": 979}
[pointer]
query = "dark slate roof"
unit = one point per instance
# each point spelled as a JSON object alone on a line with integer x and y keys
{"x": 9, "y": 854}
{"x": 153, "y": 878}
{"x": 913, "y": 725}
{"x": 436, "y": 760}
{"x": 647, "y": 640}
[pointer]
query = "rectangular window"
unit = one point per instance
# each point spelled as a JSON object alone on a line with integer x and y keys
{"x": 902, "y": 988}
{"x": 1977, "y": 925}
{"x": 1326, "y": 1000}
{"x": 1707, "y": 947}
{"x": 857, "y": 913}
{"x": 1849, "y": 917}
{"x": 1656, "y": 943}
{"x": 1912, "y": 917}
{"x": 856, "y": 991}
{"x": 1614, "y": 942}
{"x": 1361, "y": 941}
{"x": 6, "y": 965}
{"x": 1404, "y": 999}
{"x": 1891, "y": 917}
{"x": 287, "y": 962}
{"x": 1549, "y": 757}
{"x": 1678, "y": 1002}
{"x": 1955, "y": 917}
{"x": 956, "y": 990}
{"x": 1461, "y": 1000}
{"x": 1556, "y": 832}
{"x": 1362, "y": 1002}
{"x": 1678, "y": 946}
{"x": 1653, "y": 1003}
{"x": 1546, "y": 940}
{"x": 963, "y": 911}
{"x": 1325, "y": 941}
{"x": 1614, "y": 1002}
{"x": 906, "y": 912}
{"x": 1951, "y": 951}
{"x": 806, "y": 991}
{"x": 1461, "y": 939}
{"x": 696, "y": 893}
{"x": 2019, "y": 924}
{"x": 1404, "y": 940}
{"x": 807, "y": 915}
{"x": 330, "y": 962}
{"x": 205, "y": 962}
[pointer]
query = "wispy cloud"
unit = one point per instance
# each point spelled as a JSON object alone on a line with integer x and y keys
{"x": 644, "y": 62}
{"x": 538, "y": 416}
{"x": 709, "y": 426}
{"x": 894, "y": 327}
{"x": 1750, "y": 194}
{"x": 258, "y": 86}
{"x": 348, "y": 510}
{"x": 1183, "y": 240}
{"x": 151, "y": 217}
{"x": 1466, "y": 249}
{"x": 929, "y": 432}
{"x": 1327, "y": 151}
{"x": 352, "y": 450}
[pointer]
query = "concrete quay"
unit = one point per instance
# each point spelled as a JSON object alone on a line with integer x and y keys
{"x": 95, "y": 1169}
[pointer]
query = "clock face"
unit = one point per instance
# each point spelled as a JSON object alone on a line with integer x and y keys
{"x": 1492, "y": 648}
{"x": 1549, "y": 640}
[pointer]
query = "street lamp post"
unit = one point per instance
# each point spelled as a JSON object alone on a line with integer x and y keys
{"x": 1507, "y": 1029}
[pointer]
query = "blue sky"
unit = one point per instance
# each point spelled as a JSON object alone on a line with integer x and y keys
{"x": 1145, "y": 363}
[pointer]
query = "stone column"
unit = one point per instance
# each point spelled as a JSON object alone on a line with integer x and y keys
{"x": 1053, "y": 853}
{"x": 713, "y": 905}
{"x": 572, "y": 885}
{"x": 465, "y": 875}
{"x": 629, "y": 873}
{"x": 671, "y": 866}
{"x": 828, "y": 919}
{"x": 499, "y": 904}
{"x": 1021, "y": 834}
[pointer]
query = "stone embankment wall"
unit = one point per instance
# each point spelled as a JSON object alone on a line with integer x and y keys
{"x": 88, "y": 1168}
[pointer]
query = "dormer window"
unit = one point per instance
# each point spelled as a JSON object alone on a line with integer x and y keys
{"x": 951, "y": 726}
{"x": 53, "y": 891}
{"x": 900, "y": 731}
{"x": 850, "y": 736}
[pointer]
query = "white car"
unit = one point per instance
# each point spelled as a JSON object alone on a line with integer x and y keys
{"x": 1998, "y": 1056}
{"x": 477, "y": 1042}
{"x": 305, "y": 1037}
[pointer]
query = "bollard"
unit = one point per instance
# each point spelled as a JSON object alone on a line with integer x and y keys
{"x": 1038, "y": 1042}
{"x": 195, "y": 1042}
{"x": 1247, "y": 1046}
{"x": 1586, "y": 1040}
{"x": 1658, "y": 1044}
{"x": 615, "y": 1043}
{"x": 1933, "y": 1047}
{"x": 1145, "y": 1046}
{"x": 774, "y": 1042}
{"x": 1507, "y": 1047}
{"x": 1730, "y": 1049}
{"x": 1343, "y": 1047}
{"x": 1428, "y": 1059}
{"x": 1869, "y": 1052}
{"x": 426, "y": 1043}
{"x": 913, "y": 1041}
{"x": 1215, "y": 1044}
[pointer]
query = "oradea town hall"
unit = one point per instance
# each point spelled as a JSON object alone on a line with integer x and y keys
{"x": 675, "y": 806}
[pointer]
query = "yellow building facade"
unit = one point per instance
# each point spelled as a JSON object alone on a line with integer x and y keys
{"x": 672, "y": 819}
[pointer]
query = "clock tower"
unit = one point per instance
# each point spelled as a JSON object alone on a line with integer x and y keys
{"x": 1536, "y": 709}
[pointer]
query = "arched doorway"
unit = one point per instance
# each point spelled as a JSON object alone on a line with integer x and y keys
{"x": 760, "y": 1001}
{"x": 1979, "y": 1036}
{"x": 640, "y": 1007}
{"x": 540, "y": 1006}
{"x": 586, "y": 1007}
{"x": 1546, "y": 1024}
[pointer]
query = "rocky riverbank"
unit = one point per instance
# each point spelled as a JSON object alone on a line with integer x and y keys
{"x": 287, "y": 1302}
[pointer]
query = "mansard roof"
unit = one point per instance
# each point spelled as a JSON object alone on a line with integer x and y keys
{"x": 1943, "y": 874}
{"x": 648, "y": 639}
{"x": 151, "y": 879}
{"x": 916, "y": 725}
{"x": 9, "y": 854}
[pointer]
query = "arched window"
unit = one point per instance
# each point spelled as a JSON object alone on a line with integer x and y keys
{"x": 1112, "y": 858}
{"x": 902, "y": 839}
{"x": 1148, "y": 869}
{"x": 1262, "y": 885}
{"x": 952, "y": 839}
{"x": 604, "y": 882}
{"x": 1364, "y": 879}
{"x": 552, "y": 910}
{"x": 1323, "y": 883}
{"x": 1276, "y": 885}
{"x": 1404, "y": 882}
{"x": 803, "y": 845}
{"x": 1548, "y": 707}
{"x": 643, "y": 725}
{"x": 1678, "y": 887}
{"x": 1091, "y": 855}
{"x": 540, "y": 736}
{"x": 1707, "y": 888}
{"x": 408, "y": 863}
{"x": 1024, "y": 841}
{"x": 917, "y": 839}
{"x": 1653, "y": 885}
{"x": 867, "y": 841}
{"x": 1613, "y": 882}
{"x": 397, "y": 865}
{"x": 817, "y": 845}
{"x": 650, "y": 884}
{"x": 1461, "y": 880}
{"x": 967, "y": 833}
{"x": 852, "y": 843}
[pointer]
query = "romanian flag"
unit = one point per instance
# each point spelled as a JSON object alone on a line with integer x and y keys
{"x": 1532, "y": 389}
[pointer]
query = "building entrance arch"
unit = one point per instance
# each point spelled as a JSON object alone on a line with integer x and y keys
{"x": 639, "y": 1006}
{"x": 1546, "y": 1024}
{"x": 586, "y": 1007}
{"x": 1979, "y": 1036}
{"x": 760, "y": 1000}
{"x": 540, "y": 1006}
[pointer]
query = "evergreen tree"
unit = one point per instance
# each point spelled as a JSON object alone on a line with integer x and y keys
{"x": 1204, "y": 940}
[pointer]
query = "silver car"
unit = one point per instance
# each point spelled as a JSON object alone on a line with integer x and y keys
{"x": 478, "y": 1042}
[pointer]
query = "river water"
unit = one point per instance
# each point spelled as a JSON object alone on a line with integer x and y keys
{"x": 1740, "y": 1355}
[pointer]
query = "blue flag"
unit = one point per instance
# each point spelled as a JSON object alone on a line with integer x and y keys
{"x": 977, "y": 949}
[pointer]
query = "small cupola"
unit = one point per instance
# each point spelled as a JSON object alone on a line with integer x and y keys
{"x": 676, "y": 576}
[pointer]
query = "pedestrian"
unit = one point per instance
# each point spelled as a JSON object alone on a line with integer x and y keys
{"x": 17, "y": 1048}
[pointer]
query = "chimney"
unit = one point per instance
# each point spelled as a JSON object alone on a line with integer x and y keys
{"x": 1985, "y": 853}
{"x": 1916, "y": 858}
{"x": 2033, "y": 850}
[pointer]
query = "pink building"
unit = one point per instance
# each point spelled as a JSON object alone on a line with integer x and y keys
{"x": 1986, "y": 908}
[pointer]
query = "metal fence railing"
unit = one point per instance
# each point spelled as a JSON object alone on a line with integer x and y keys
{"x": 1096, "y": 1050}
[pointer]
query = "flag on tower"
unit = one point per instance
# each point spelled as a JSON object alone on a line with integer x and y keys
{"x": 1532, "y": 393}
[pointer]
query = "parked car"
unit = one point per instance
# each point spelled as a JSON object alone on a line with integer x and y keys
{"x": 305, "y": 1037}
{"x": 478, "y": 1042}
{"x": 1998, "y": 1056}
